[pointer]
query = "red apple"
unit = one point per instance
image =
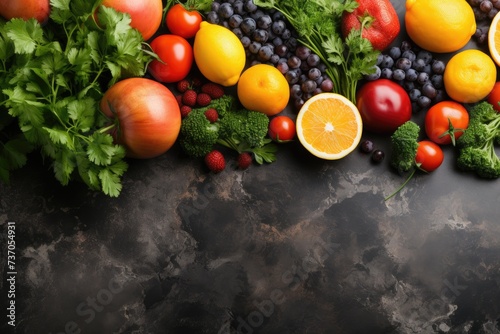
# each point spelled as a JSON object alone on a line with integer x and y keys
{"x": 25, "y": 9}
{"x": 146, "y": 15}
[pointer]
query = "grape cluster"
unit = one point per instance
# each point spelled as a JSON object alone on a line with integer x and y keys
{"x": 268, "y": 38}
{"x": 416, "y": 71}
{"x": 484, "y": 12}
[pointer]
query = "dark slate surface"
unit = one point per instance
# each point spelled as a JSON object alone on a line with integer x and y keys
{"x": 299, "y": 246}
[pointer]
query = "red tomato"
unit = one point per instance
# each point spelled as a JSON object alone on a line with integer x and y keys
{"x": 183, "y": 22}
{"x": 25, "y": 9}
{"x": 429, "y": 156}
{"x": 282, "y": 128}
{"x": 494, "y": 96}
{"x": 384, "y": 106}
{"x": 446, "y": 118}
{"x": 177, "y": 56}
{"x": 147, "y": 113}
{"x": 146, "y": 15}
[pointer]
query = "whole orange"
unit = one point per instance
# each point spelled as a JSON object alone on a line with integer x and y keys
{"x": 263, "y": 88}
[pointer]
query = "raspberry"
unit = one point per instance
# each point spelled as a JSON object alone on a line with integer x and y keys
{"x": 185, "y": 110}
{"x": 212, "y": 115}
{"x": 215, "y": 161}
{"x": 189, "y": 98}
{"x": 203, "y": 99}
{"x": 214, "y": 90}
{"x": 244, "y": 160}
{"x": 183, "y": 86}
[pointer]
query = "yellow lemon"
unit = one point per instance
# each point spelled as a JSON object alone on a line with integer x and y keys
{"x": 440, "y": 25}
{"x": 329, "y": 126}
{"x": 494, "y": 39}
{"x": 263, "y": 88}
{"x": 219, "y": 54}
{"x": 469, "y": 76}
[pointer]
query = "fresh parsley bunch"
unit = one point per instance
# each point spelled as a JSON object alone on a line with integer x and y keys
{"x": 318, "y": 23}
{"x": 52, "y": 79}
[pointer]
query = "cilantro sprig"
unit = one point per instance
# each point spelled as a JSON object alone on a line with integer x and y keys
{"x": 318, "y": 23}
{"x": 51, "y": 81}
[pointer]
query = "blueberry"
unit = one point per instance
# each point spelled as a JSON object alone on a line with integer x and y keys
{"x": 405, "y": 45}
{"x": 437, "y": 81}
{"x": 387, "y": 62}
{"x": 419, "y": 64}
{"x": 281, "y": 50}
{"x": 245, "y": 41}
{"x": 235, "y": 21}
{"x": 248, "y": 25}
{"x": 414, "y": 94}
{"x": 265, "y": 52}
{"x": 422, "y": 78}
{"x": 395, "y": 52}
{"x": 254, "y": 47}
{"x": 438, "y": 66}
{"x": 314, "y": 73}
{"x": 260, "y": 35}
{"x": 423, "y": 101}
{"x": 426, "y": 56}
{"x": 403, "y": 63}
{"x": 409, "y": 54}
{"x": 238, "y": 7}
{"x": 278, "y": 27}
{"x": 313, "y": 60}
{"x": 429, "y": 90}
{"x": 226, "y": 10}
{"x": 308, "y": 86}
{"x": 398, "y": 74}
{"x": 411, "y": 74}
{"x": 375, "y": 75}
{"x": 212, "y": 17}
{"x": 386, "y": 73}
{"x": 264, "y": 22}
{"x": 367, "y": 146}
{"x": 408, "y": 85}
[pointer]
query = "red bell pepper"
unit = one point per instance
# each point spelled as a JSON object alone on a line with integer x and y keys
{"x": 383, "y": 27}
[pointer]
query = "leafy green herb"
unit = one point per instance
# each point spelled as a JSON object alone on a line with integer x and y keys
{"x": 51, "y": 81}
{"x": 318, "y": 23}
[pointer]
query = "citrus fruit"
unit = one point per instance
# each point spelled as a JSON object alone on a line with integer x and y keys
{"x": 469, "y": 76}
{"x": 263, "y": 88}
{"x": 329, "y": 126}
{"x": 219, "y": 54}
{"x": 494, "y": 39}
{"x": 440, "y": 25}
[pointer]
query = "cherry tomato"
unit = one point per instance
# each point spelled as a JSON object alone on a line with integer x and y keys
{"x": 282, "y": 129}
{"x": 429, "y": 156}
{"x": 444, "y": 119}
{"x": 146, "y": 15}
{"x": 183, "y": 22}
{"x": 147, "y": 113}
{"x": 177, "y": 56}
{"x": 494, "y": 96}
{"x": 25, "y": 9}
{"x": 384, "y": 106}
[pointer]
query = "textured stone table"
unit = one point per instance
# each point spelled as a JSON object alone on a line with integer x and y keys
{"x": 299, "y": 246}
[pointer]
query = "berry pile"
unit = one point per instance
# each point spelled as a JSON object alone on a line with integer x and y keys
{"x": 268, "y": 38}
{"x": 484, "y": 12}
{"x": 195, "y": 93}
{"x": 416, "y": 71}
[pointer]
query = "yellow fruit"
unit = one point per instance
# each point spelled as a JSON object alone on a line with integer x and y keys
{"x": 263, "y": 88}
{"x": 329, "y": 126}
{"x": 219, "y": 54}
{"x": 494, "y": 39}
{"x": 440, "y": 25}
{"x": 469, "y": 76}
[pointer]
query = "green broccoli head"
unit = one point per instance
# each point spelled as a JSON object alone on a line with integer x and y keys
{"x": 477, "y": 144}
{"x": 198, "y": 136}
{"x": 404, "y": 146}
{"x": 245, "y": 127}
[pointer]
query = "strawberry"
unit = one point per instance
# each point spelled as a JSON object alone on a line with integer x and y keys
{"x": 212, "y": 115}
{"x": 203, "y": 99}
{"x": 215, "y": 161}
{"x": 189, "y": 98}
{"x": 178, "y": 98}
{"x": 197, "y": 81}
{"x": 214, "y": 90}
{"x": 183, "y": 86}
{"x": 244, "y": 160}
{"x": 185, "y": 110}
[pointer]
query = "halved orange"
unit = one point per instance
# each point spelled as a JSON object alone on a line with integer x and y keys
{"x": 494, "y": 39}
{"x": 329, "y": 126}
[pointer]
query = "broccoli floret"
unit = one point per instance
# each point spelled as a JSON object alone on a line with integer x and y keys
{"x": 477, "y": 144}
{"x": 404, "y": 146}
{"x": 198, "y": 136}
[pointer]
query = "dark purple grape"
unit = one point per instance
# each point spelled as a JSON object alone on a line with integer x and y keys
{"x": 212, "y": 17}
{"x": 314, "y": 74}
{"x": 422, "y": 78}
{"x": 426, "y": 56}
{"x": 423, "y": 101}
{"x": 492, "y": 13}
{"x": 403, "y": 63}
{"x": 395, "y": 52}
{"x": 238, "y": 32}
{"x": 405, "y": 45}
{"x": 440, "y": 96}
{"x": 409, "y": 54}
{"x": 282, "y": 67}
{"x": 292, "y": 43}
{"x": 264, "y": 22}
{"x": 294, "y": 62}
{"x": 387, "y": 62}
{"x": 286, "y": 34}
{"x": 429, "y": 90}
{"x": 302, "y": 52}
{"x": 411, "y": 74}
{"x": 326, "y": 85}
{"x": 378, "y": 156}
{"x": 245, "y": 41}
{"x": 235, "y": 21}
{"x": 274, "y": 59}
{"x": 308, "y": 86}
{"x": 254, "y": 47}
{"x": 313, "y": 60}
{"x": 260, "y": 35}
{"x": 437, "y": 81}
{"x": 238, "y": 7}
{"x": 367, "y": 146}
{"x": 414, "y": 94}
{"x": 438, "y": 66}
{"x": 486, "y": 6}
{"x": 292, "y": 76}
{"x": 225, "y": 10}
{"x": 265, "y": 52}
{"x": 248, "y": 26}
{"x": 386, "y": 73}
{"x": 295, "y": 91}
{"x": 278, "y": 27}
{"x": 398, "y": 74}
{"x": 215, "y": 6}
{"x": 281, "y": 50}
{"x": 298, "y": 103}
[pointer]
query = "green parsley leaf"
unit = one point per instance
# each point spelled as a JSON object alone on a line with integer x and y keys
{"x": 110, "y": 182}
{"x": 25, "y": 34}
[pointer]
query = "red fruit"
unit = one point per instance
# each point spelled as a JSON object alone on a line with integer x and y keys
{"x": 183, "y": 86}
{"x": 214, "y": 90}
{"x": 185, "y": 110}
{"x": 244, "y": 160}
{"x": 215, "y": 161}
{"x": 382, "y": 31}
{"x": 203, "y": 99}
{"x": 212, "y": 115}
{"x": 178, "y": 98}
{"x": 189, "y": 98}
